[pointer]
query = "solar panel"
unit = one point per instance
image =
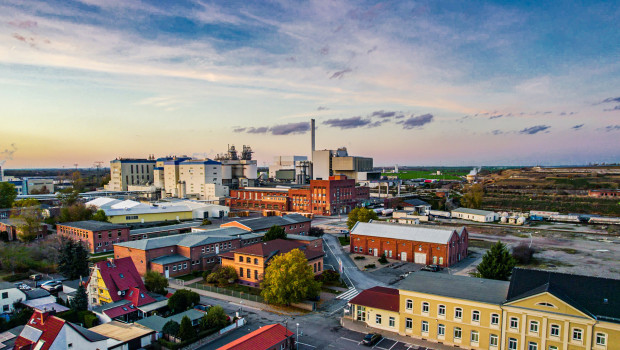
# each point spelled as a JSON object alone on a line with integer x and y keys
{"x": 31, "y": 333}
{"x": 6, "y": 336}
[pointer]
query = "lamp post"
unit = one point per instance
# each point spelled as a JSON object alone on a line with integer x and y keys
{"x": 297, "y": 338}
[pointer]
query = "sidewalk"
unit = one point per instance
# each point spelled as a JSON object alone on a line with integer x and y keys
{"x": 363, "y": 328}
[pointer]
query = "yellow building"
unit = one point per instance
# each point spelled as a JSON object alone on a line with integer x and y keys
{"x": 378, "y": 308}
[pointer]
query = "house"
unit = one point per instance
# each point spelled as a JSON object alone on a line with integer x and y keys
{"x": 38, "y": 297}
{"x": 251, "y": 261}
{"x": 97, "y": 235}
{"x": 378, "y": 307}
{"x": 116, "y": 291}
{"x": 475, "y": 215}
{"x": 156, "y": 322}
{"x": 413, "y": 243}
{"x": 273, "y": 336}
{"x": 45, "y": 331}
{"x": 9, "y": 295}
{"x": 124, "y": 336}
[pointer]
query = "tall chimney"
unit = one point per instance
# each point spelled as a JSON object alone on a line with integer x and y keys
{"x": 313, "y": 149}
{"x": 312, "y": 133}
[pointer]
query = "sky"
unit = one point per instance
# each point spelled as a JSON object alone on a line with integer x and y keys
{"x": 451, "y": 83}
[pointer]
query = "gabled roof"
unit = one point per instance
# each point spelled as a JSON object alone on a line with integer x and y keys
{"x": 263, "y": 338}
{"x": 379, "y": 298}
{"x": 406, "y": 232}
{"x": 473, "y": 211}
{"x": 274, "y": 247}
{"x": 186, "y": 239}
{"x": 596, "y": 296}
{"x": 265, "y": 222}
{"x": 121, "y": 275}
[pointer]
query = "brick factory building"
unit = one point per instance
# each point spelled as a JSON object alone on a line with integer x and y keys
{"x": 292, "y": 224}
{"x": 97, "y": 235}
{"x": 412, "y": 243}
{"x": 336, "y": 195}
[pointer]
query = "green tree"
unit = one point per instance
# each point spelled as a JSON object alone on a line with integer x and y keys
{"x": 80, "y": 300}
{"x": 29, "y": 216}
{"x": 67, "y": 197}
{"x": 73, "y": 260}
{"x": 14, "y": 257}
{"x": 206, "y": 222}
{"x": 222, "y": 275}
{"x": 497, "y": 263}
{"x": 171, "y": 328}
{"x": 473, "y": 197}
{"x": 315, "y": 231}
{"x": 78, "y": 182}
{"x": 215, "y": 318}
{"x": 155, "y": 282}
{"x": 186, "y": 330}
{"x": 275, "y": 232}
{"x": 8, "y": 193}
{"x": 100, "y": 216}
{"x": 182, "y": 300}
{"x": 289, "y": 279}
{"x": 76, "y": 212}
{"x": 361, "y": 215}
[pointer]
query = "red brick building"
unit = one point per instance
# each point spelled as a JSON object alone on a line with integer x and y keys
{"x": 292, "y": 224}
{"x": 97, "y": 235}
{"x": 604, "y": 193}
{"x": 412, "y": 243}
{"x": 11, "y": 227}
{"x": 270, "y": 337}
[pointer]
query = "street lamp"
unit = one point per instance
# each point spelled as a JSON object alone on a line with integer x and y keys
{"x": 297, "y": 338}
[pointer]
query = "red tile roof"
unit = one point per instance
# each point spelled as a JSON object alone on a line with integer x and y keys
{"x": 263, "y": 338}
{"x": 379, "y": 298}
{"x": 50, "y": 327}
{"x": 122, "y": 275}
{"x": 139, "y": 297}
{"x": 120, "y": 310}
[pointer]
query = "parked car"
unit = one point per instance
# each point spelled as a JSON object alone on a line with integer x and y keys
{"x": 22, "y": 286}
{"x": 371, "y": 339}
{"x": 36, "y": 277}
{"x": 202, "y": 307}
{"x": 431, "y": 268}
{"x": 52, "y": 286}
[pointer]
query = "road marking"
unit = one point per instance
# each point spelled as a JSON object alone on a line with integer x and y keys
{"x": 312, "y": 346}
{"x": 393, "y": 345}
{"x": 355, "y": 341}
{"x": 336, "y": 311}
{"x": 334, "y": 255}
{"x": 379, "y": 342}
{"x": 349, "y": 294}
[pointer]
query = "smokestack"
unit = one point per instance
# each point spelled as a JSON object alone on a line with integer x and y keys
{"x": 312, "y": 135}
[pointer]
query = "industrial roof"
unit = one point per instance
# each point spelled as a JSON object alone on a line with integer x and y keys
{"x": 155, "y": 229}
{"x": 186, "y": 240}
{"x": 147, "y": 210}
{"x": 415, "y": 202}
{"x": 265, "y": 222}
{"x": 459, "y": 287}
{"x": 473, "y": 211}
{"x": 406, "y": 232}
{"x": 93, "y": 225}
{"x": 121, "y": 331}
{"x": 169, "y": 259}
{"x": 263, "y": 338}
{"x": 379, "y": 298}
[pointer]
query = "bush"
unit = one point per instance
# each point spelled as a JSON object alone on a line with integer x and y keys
{"x": 222, "y": 275}
{"x": 206, "y": 222}
{"x": 370, "y": 266}
{"x": 360, "y": 258}
{"x": 328, "y": 276}
{"x": 15, "y": 277}
{"x": 383, "y": 259}
{"x": 205, "y": 274}
{"x": 523, "y": 253}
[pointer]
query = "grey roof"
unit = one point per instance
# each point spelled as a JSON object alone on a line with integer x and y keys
{"x": 416, "y": 202}
{"x": 300, "y": 237}
{"x": 186, "y": 240}
{"x": 473, "y": 211}
{"x": 407, "y": 232}
{"x": 460, "y": 287}
{"x": 90, "y": 335}
{"x": 101, "y": 308}
{"x": 156, "y": 229}
{"x": 154, "y": 306}
{"x": 157, "y": 323}
{"x": 265, "y": 222}
{"x": 169, "y": 259}
{"x": 31, "y": 333}
{"x": 93, "y": 225}
{"x": 74, "y": 283}
{"x": 36, "y": 293}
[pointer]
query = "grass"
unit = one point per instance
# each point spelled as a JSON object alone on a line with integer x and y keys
{"x": 476, "y": 243}
{"x": 344, "y": 240}
{"x": 238, "y": 288}
{"x": 190, "y": 276}
{"x": 329, "y": 290}
{"x": 565, "y": 250}
{"x": 427, "y": 174}
{"x": 546, "y": 263}
{"x": 95, "y": 259}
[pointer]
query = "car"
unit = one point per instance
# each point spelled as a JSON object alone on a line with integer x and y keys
{"x": 36, "y": 277}
{"x": 371, "y": 339}
{"x": 431, "y": 268}
{"x": 52, "y": 286}
{"x": 22, "y": 286}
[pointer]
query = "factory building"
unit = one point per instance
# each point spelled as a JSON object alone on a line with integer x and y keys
{"x": 326, "y": 163}
{"x": 130, "y": 171}
{"x": 475, "y": 215}
{"x": 290, "y": 169}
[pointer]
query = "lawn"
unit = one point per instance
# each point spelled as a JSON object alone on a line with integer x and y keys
{"x": 190, "y": 276}
{"x": 344, "y": 240}
{"x": 238, "y": 288}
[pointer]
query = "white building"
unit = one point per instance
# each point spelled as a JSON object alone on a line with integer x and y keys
{"x": 201, "y": 179}
{"x": 9, "y": 295}
{"x": 475, "y": 215}
{"x": 130, "y": 171}
{"x": 284, "y": 163}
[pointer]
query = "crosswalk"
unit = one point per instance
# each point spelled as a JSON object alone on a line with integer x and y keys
{"x": 349, "y": 294}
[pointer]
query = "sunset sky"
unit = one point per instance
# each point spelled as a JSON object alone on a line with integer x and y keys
{"x": 405, "y": 82}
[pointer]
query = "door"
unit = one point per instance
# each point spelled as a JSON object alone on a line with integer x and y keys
{"x": 167, "y": 273}
{"x": 403, "y": 256}
{"x": 217, "y": 249}
{"x": 376, "y": 253}
{"x": 419, "y": 258}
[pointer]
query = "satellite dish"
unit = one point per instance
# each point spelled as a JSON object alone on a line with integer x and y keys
{"x": 119, "y": 292}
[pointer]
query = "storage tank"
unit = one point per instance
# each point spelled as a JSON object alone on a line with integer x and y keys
{"x": 503, "y": 219}
{"x": 250, "y": 171}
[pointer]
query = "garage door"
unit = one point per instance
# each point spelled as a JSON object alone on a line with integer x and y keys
{"x": 403, "y": 256}
{"x": 419, "y": 258}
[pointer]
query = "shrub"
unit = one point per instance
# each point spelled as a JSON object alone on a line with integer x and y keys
{"x": 360, "y": 258}
{"x": 370, "y": 266}
{"x": 383, "y": 259}
{"x": 205, "y": 274}
{"x": 523, "y": 253}
{"x": 329, "y": 276}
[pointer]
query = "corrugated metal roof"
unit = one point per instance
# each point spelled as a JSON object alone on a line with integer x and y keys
{"x": 406, "y": 232}
{"x": 473, "y": 211}
{"x": 93, "y": 225}
{"x": 459, "y": 287}
{"x": 186, "y": 239}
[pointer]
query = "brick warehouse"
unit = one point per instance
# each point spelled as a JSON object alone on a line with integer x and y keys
{"x": 421, "y": 245}
{"x": 98, "y": 236}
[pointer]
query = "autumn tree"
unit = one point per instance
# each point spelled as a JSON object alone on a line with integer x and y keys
{"x": 289, "y": 279}
{"x": 275, "y": 232}
{"x": 473, "y": 197}
{"x": 8, "y": 193}
{"x": 361, "y": 215}
{"x": 155, "y": 282}
{"x": 76, "y": 212}
{"x": 29, "y": 217}
{"x": 222, "y": 275}
{"x": 497, "y": 263}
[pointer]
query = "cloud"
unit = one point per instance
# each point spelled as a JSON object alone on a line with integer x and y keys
{"x": 322, "y": 108}
{"x": 383, "y": 114}
{"x": 324, "y": 51}
{"x": 416, "y": 122}
{"x": 617, "y": 108}
{"x": 291, "y": 128}
{"x": 496, "y": 116}
{"x": 612, "y": 128}
{"x": 611, "y": 99}
{"x": 374, "y": 48}
{"x": 577, "y": 127}
{"x": 534, "y": 129}
{"x": 340, "y": 74}
{"x": 497, "y": 132}
{"x": 259, "y": 130}
{"x": 7, "y": 154}
{"x": 239, "y": 130}
{"x": 347, "y": 123}
{"x": 24, "y": 24}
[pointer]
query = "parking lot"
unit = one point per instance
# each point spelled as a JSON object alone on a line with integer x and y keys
{"x": 349, "y": 340}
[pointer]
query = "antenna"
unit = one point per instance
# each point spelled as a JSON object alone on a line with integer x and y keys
{"x": 75, "y": 165}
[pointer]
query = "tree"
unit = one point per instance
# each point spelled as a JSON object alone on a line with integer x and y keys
{"x": 155, "y": 282}
{"x": 215, "y": 318}
{"x": 171, "y": 328}
{"x": 383, "y": 259}
{"x": 80, "y": 300}
{"x": 73, "y": 260}
{"x": 182, "y": 300}
{"x": 275, "y": 232}
{"x": 67, "y": 197}
{"x": 206, "y": 222}
{"x": 14, "y": 257}
{"x": 497, "y": 263}
{"x": 76, "y": 212}
{"x": 78, "y": 182}
{"x": 289, "y": 279}
{"x": 361, "y": 215}
{"x": 523, "y": 253}
{"x": 473, "y": 197}
{"x": 100, "y": 216}
{"x": 29, "y": 217}
{"x": 316, "y": 231}
{"x": 222, "y": 275}
{"x": 186, "y": 330}
{"x": 8, "y": 193}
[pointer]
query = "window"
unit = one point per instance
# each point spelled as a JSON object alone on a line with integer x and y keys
{"x": 361, "y": 313}
{"x": 355, "y": 249}
{"x": 241, "y": 272}
{"x": 378, "y": 319}
{"x": 512, "y": 344}
{"x": 240, "y": 259}
{"x": 184, "y": 265}
{"x": 255, "y": 261}
{"x": 174, "y": 268}
{"x": 5, "y": 308}
{"x": 255, "y": 274}
{"x": 493, "y": 340}
{"x": 514, "y": 323}
{"x": 555, "y": 330}
{"x": 5, "y": 295}
{"x": 441, "y": 330}
{"x": 601, "y": 339}
{"x": 545, "y": 304}
{"x": 475, "y": 316}
{"x": 458, "y": 313}
{"x": 424, "y": 327}
{"x": 457, "y": 333}
{"x": 441, "y": 310}
{"x": 553, "y": 347}
{"x": 409, "y": 304}
{"x": 534, "y": 326}
{"x": 70, "y": 345}
{"x": 532, "y": 346}
{"x": 408, "y": 323}
{"x": 475, "y": 337}
{"x": 425, "y": 307}
{"x": 577, "y": 334}
{"x": 494, "y": 319}
{"x": 392, "y": 322}
{"x": 248, "y": 260}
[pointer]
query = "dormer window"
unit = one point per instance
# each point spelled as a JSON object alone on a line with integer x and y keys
{"x": 121, "y": 275}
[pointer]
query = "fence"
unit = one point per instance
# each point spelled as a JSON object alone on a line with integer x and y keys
{"x": 228, "y": 292}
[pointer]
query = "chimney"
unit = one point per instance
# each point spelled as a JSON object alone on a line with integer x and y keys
{"x": 312, "y": 135}
{"x": 312, "y": 141}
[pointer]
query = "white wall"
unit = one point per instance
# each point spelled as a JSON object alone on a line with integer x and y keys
{"x": 13, "y": 295}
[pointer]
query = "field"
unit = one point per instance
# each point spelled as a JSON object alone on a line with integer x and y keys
{"x": 430, "y": 174}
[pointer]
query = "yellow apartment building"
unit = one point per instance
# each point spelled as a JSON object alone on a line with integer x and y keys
{"x": 378, "y": 308}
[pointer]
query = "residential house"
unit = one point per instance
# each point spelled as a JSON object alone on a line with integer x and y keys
{"x": 9, "y": 295}
{"x": 270, "y": 337}
{"x": 124, "y": 336}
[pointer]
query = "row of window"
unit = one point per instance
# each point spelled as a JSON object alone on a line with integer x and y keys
{"x": 118, "y": 233}
{"x": 248, "y": 260}
{"x": 248, "y": 273}
{"x": 513, "y": 343}
{"x": 209, "y": 248}
{"x": 179, "y": 267}
{"x": 458, "y": 312}
{"x": 554, "y": 330}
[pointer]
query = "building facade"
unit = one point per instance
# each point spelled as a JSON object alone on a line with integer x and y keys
{"x": 130, "y": 171}
{"x": 12, "y": 227}
{"x": 98, "y": 236}
{"x": 9, "y": 295}
{"x": 475, "y": 215}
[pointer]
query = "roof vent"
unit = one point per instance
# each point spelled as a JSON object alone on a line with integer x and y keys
{"x": 605, "y": 301}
